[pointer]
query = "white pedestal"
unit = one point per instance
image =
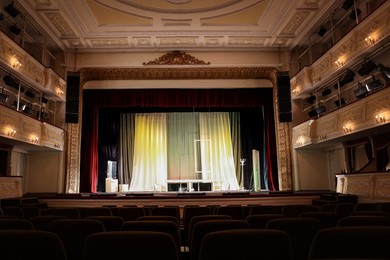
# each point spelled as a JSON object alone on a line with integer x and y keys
{"x": 123, "y": 187}
{"x": 111, "y": 185}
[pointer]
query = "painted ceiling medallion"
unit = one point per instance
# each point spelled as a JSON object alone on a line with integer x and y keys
{"x": 176, "y": 58}
{"x": 178, "y": 1}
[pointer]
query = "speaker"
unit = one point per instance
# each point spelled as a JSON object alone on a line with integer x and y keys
{"x": 72, "y": 97}
{"x": 284, "y": 96}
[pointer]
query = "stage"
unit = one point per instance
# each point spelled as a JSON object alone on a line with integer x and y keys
{"x": 180, "y": 199}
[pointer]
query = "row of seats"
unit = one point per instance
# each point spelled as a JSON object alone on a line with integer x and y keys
{"x": 301, "y": 230}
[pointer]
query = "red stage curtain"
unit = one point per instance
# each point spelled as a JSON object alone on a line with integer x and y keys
{"x": 93, "y": 100}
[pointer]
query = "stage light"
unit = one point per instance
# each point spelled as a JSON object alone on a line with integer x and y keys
{"x": 321, "y": 109}
{"x": 312, "y": 113}
{"x": 340, "y": 102}
{"x": 367, "y": 67}
{"x": 353, "y": 14}
{"x": 385, "y": 70}
{"x": 326, "y": 92}
{"x": 10, "y": 81}
{"x": 15, "y": 29}
{"x": 311, "y": 99}
{"x": 348, "y": 4}
{"x": 361, "y": 91}
{"x": 29, "y": 93}
{"x": 347, "y": 78}
{"x": 3, "y": 97}
{"x": 11, "y": 10}
{"x": 374, "y": 84}
{"x": 321, "y": 31}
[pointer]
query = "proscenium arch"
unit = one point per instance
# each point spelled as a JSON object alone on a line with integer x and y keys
{"x": 282, "y": 130}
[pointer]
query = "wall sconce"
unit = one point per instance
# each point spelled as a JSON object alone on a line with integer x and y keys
{"x": 347, "y": 128}
{"x": 339, "y": 62}
{"x": 300, "y": 140}
{"x": 59, "y": 92}
{"x": 11, "y": 132}
{"x": 370, "y": 40}
{"x": 380, "y": 118}
{"x": 34, "y": 139}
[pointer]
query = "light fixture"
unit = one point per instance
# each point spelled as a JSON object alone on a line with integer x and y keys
{"x": 312, "y": 113}
{"x": 347, "y": 128}
{"x": 380, "y": 118}
{"x": 10, "y": 81}
{"x": 339, "y": 62}
{"x": 348, "y": 77}
{"x": 374, "y": 84}
{"x": 11, "y": 9}
{"x": 370, "y": 40}
{"x": 3, "y": 97}
{"x": 348, "y": 4}
{"x": 34, "y": 139}
{"x": 11, "y": 132}
{"x": 361, "y": 91}
{"x": 311, "y": 99}
{"x": 385, "y": 70}
{"x": 15, "y": 29}
{"x": 321, "y": 31}
{"x": 367, "y": 67}
{"x": 29, "y": 93}
{"x": 326, "y": 92}
{"x": 340, "y": 102}
{"x": 320, "y": 109}
{"x": 16, "y": 64}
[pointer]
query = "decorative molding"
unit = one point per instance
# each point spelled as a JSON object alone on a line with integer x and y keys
{"x": 176, "y": 58}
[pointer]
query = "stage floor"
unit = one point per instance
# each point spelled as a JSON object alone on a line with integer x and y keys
{"x": 180, "y": 199}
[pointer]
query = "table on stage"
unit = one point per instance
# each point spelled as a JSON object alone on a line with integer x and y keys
{"x": 189, "y": 185}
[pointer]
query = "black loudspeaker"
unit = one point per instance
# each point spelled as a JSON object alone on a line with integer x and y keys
{"x": 284, "y": 96}
{"x": 72, "y": 97}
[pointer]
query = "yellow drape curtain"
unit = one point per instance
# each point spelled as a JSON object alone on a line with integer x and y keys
{"x": 150, "y": 152}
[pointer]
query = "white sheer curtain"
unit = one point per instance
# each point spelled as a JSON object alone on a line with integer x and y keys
{"x": 150, "y": 152}
{"x": 217, "y": 150}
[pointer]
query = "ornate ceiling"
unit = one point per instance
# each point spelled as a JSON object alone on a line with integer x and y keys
{"x": 176, "y": 24}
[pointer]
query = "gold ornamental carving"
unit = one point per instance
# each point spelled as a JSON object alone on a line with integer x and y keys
{"x": 176, "y": 58}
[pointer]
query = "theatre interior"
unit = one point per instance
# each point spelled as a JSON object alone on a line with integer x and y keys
{"x": 192, "y": 129}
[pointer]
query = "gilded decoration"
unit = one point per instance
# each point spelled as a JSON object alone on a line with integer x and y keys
{"x": 93, "y": 74}
{"x": 176, "y": 58}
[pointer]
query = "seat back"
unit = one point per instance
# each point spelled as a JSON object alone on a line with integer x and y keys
{"x": 131, "y": 213}
{"x": 328, "y": 219}
{"x": 301, "y": 232}
{"x": 367, "y": 242}
{"x": 97, "y": 211}
{"x": 110, "y": 223}
{"x": 43, "y": 222}
{"x": 15, "y": 223}
{"x": 188, "y": 213}
{"x": 168, "y": 227}
{"x": 294, "y": 210}
{"x": 246, "y": 244}
{"x": 235, "y": 211}
{"x": 260, "y": 221}
{"x": 364, "y": 220}
{"x": 73, "y": 233}
{"x": 204, "y": 227}
{"x": 31, "y": 244}
{"x": 145, "y": 245}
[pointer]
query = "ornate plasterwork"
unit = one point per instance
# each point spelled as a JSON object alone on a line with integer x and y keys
{"x": 73, "y": 132}
{"x": 176, "y": 58}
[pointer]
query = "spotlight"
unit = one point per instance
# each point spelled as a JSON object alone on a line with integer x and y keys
{"x": 340, "y": 102}
{"x": 3, "y": 97}
{"x": 321, "y": 31}
{"x": 347, "y": 78}
{"x": 11, "y": 10}
{"x": 326, "y": 92}
{"x": 15, "y": 29}
{"x": 312, "y": 113}
{"x": 44, "y": 100}
{"x": 320, "y": 109}
{"x": 353, "y": 14}
{"x": 10, "y": 81}
{"x": 374, "y": 84}
{"x": 385, "y": 70}
{"x": 29, "y": 93}
{"x": 348, "y": 4}
{"x": 311, "y": 99}
{"x": 361, "y": 91}
{"x": 1, "y": 16}
{"x": 367, "y": 67}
